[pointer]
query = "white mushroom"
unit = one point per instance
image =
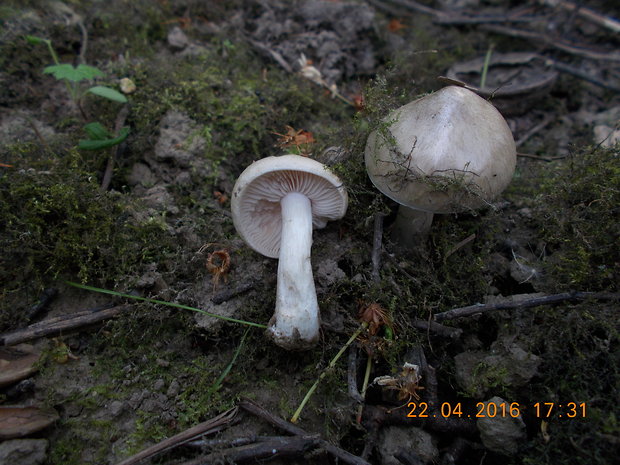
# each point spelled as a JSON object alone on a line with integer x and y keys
{"x": 446, "y": 152}
{"x": 276, "y": 202}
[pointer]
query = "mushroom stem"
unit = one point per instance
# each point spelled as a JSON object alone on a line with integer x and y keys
{"x": 295, "y": 324}
{"x": 411, "y": 227}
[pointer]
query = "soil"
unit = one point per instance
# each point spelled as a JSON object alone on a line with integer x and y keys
{"x": 221, "y": 84}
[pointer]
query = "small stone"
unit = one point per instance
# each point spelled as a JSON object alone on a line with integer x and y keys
{"x": 395, "y": 439}
{"x": 606, "y": 135}
{"x": 177, "y": 38}
{"x": 23, "y": 452}
{"x": 228, "y": 309}
{"x": 173, "y": 389}
{"x": 162, "y": 363}
{"x": 141, "y": 174}
{"x": 179, "y": 140}
{"x": 329, "y": 273}
{"x": 116, "y": 407}
{"x": 159, "y": 385}
{"x": 505, "y": 364}
{"x": 136, "y": 400}
{"x": 183, "y": 179}
{"x": 127, "y": 85}
{"x": 159, "y": 198}
{"x": 499, "y": 431}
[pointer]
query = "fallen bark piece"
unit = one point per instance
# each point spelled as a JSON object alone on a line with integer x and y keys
{"x": 17, "y": 363}
{"x": 61, "y": 324}
{"x": 24, "y": 451}
{"x": 18, "y": 421}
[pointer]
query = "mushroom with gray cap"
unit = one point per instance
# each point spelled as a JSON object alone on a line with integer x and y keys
{"x": 276, "y": 203}
{"x": 446, "y": 152}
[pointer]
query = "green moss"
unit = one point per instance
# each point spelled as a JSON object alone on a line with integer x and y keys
{"x": 65, "y": 450}
{"x": 578, "y": 210}
{"x": 580, "y": 349}
{"x": 487, "y": 377}
{"x": 236, "y": 103}
{"x": 57, "y": 223}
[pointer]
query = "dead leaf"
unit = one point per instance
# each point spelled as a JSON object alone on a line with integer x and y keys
{"x": 17, "y": 362}
{"x": 61, "y": 353}
{"x": 220, "y": 197}
{"x": 299, "y": 139}
{"x": 544, "y": 431}
{"x": 358, "y": 102}
{"x": 395, "y": 25}
{"x": 17, "y": 421}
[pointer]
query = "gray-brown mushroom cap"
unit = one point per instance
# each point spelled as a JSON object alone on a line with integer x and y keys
{"x": 445, "y": 152}
{"x": 257, "y": 193}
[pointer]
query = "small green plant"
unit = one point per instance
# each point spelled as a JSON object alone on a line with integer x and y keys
{"x": 73, "y": 77}
{"x": 100, "y": 138}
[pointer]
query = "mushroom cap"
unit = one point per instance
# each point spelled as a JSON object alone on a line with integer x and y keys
{"x": 445, "y": 152}
{"x": 257, "y": 193}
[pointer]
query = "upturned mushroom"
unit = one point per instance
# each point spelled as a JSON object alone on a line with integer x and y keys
{"x": 276, "y": 203}
{"x": 447, "y": 152}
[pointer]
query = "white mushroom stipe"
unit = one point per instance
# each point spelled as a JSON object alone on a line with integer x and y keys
{"x": 276, "y": 203}
{"x": 297, "y": 310}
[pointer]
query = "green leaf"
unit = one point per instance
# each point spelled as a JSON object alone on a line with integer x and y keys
{"x": 33, "y": 40}
{"x": 72, "y": 73}
{"x": 96, "y": 131}
{"x": 108, "y": 93}
{"x": 99, "y": 144}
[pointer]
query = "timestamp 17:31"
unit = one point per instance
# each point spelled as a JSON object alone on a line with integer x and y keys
{"x": 505, "y": 409}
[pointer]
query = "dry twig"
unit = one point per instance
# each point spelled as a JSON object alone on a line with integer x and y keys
{"x": 341, "y": 454}
{"x": 534, "y": 130}
{"x": 118, "y": 125}
{"x": 553, "y": 42}
{"x": 528, "y": 303}
{"x": 210, "y": 426}
{"x": 61, "y": 324}
{"x": 586, "y": 13}
{"x": 436, "y": 328}
{"x": 376, "y": 246}
{"x": 352, "y": 375}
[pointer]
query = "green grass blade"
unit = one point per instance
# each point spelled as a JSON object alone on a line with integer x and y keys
{"x": 163, "y": 302}
{"x": 216, "y": 386}
{"x": 485, "y": 66}
{"x": 331, "y": 365}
